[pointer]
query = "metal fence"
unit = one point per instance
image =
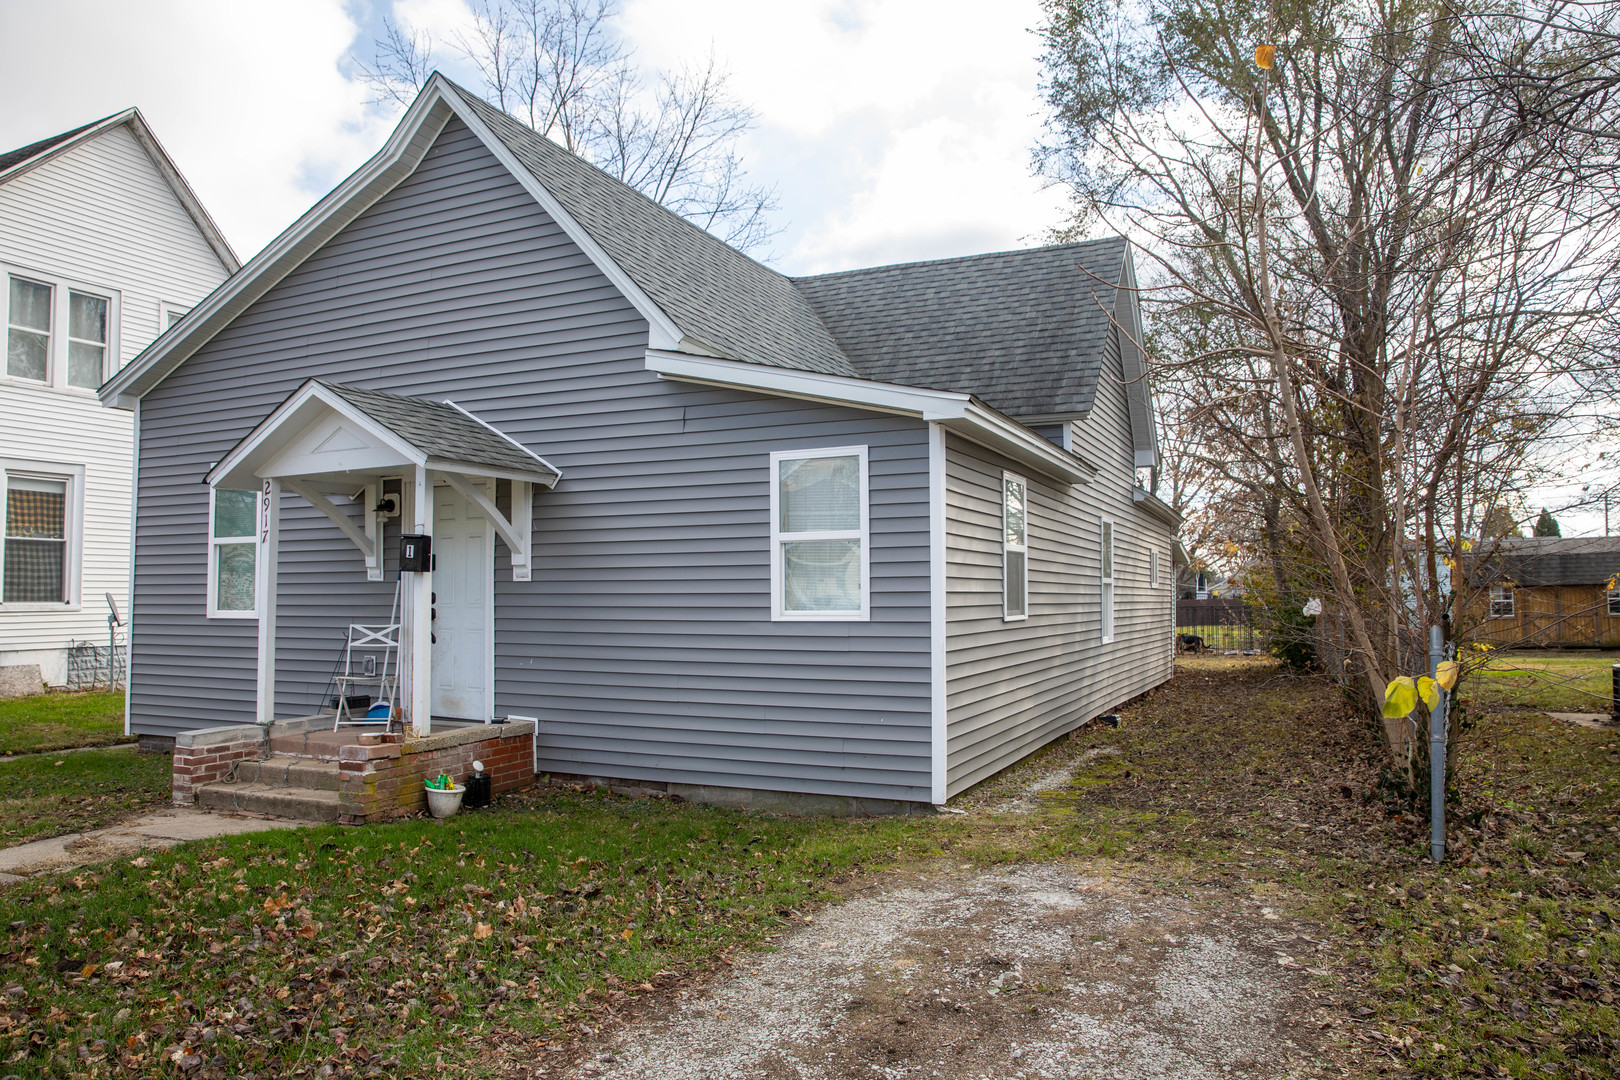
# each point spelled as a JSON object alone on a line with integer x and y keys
{"x": 96, "y": 667}
{"x": 1219, "y": 625}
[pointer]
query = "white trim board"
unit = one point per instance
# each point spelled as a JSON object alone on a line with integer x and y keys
{"x": 959, "y": 412}
{"x": 938, "y": 700}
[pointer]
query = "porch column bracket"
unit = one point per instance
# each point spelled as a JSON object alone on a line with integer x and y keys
{"x": 514, "y": 533}
{"x": 366, "y": 544}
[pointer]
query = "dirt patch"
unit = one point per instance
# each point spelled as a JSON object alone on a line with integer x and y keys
{"x": 1028, "y": 971}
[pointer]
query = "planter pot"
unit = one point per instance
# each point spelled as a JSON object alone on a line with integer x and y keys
{"x": 444, "y": 803}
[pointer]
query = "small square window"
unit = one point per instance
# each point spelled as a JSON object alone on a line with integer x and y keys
{"x": 1501, "y": 602}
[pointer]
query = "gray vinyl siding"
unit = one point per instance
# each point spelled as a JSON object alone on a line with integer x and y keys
{"x": 1012, "y": 687}
{"x": 644, "y": 641}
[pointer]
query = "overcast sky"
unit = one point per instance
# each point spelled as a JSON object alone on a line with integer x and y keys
{"x": 892, "y": 129}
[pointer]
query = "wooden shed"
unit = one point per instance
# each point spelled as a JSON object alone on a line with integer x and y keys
{"x": 1545, "y": 591}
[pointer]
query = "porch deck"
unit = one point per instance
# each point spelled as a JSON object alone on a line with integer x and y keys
{"x": 312, "y": 736}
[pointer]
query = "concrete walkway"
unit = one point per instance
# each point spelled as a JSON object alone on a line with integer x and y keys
{"x": 162, "y": 829}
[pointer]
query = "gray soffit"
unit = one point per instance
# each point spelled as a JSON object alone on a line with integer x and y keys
{"x": 1023, "y": 330}
{"x": 440, "y": 430}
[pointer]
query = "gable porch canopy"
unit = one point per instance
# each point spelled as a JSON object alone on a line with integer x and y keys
{"x": 328, "y": 438}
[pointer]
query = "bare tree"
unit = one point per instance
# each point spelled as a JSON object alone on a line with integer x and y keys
{"x": 1398, "y": 276}
{"x": 560, "y": 67}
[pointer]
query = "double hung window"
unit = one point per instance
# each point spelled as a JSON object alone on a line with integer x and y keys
{"x": 1107, "y": 560}
{"x": 57, "y": 334}
{"x": 1014, "y": 548}
{"x": 820, "y": 532}
{"x": 36, "y": 540}
{"x": 233, "y": 553}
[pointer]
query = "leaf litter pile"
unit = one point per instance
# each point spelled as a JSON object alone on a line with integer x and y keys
{"x": 396, "y": 950}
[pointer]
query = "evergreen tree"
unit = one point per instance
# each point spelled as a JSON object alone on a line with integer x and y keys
{"x": 1546, "y": 525}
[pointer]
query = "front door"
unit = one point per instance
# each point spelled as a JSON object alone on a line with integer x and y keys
{"x": 463, "y": 581}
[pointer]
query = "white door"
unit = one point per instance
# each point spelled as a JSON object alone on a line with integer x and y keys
{"x": 463, "y": 584}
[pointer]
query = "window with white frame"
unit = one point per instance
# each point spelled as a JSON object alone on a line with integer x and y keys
{"x": 169, "y": 314}
{"x": 1153, "y": 568}
{"x": 1501, "y": 601}
{"x": 39, "y": 535}
{"x": 232, "y": 553}
{"x": 1614, "y": 602}
{"x": 820, "y": 532}
{"x": 58, "y": 334}
{"x": 1107, "y": 558}
{"x": 1014, "y": 548}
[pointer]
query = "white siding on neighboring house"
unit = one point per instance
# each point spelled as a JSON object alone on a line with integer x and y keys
{"x": 99, "y": 216}
{"x": 1012, "y": 687}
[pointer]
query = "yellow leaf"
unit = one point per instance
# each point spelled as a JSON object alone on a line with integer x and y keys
{"x": 1447, "y": 674}
{"x": 1264, "y": 56}
{"x": 1400, "y": 697}
{"x": 627, "y": 934}
{"x": 1428, "y": 691}
{"x": 482, "y": 931}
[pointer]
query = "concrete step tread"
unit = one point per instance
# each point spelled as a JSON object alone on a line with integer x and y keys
{"x": 283, "y": 771}
{"x": 298, "y": 803}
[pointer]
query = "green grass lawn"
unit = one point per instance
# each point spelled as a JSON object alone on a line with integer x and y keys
{"x": 378, "y": 950}
{"x": 56, "y": 721}
{"x": 48, "y": 795}
{"x": 1562, "y": 680}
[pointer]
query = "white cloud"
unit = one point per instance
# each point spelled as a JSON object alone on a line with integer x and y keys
{"x": 251, "y": 101}
{"x": 897, "y": 129}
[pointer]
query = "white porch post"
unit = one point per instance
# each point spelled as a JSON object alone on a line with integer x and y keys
{"x": 416, "y": 621}
{"x": 269, "y": 550}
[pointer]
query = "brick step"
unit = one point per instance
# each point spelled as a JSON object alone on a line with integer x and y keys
{"x": 282, "y": 770}
{"x": 275, "y": 800}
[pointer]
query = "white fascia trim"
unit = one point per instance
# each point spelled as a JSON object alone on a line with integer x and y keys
{"x": 957, "y": 411}
{"x": 397, "y": 159}
{"x": 492, "y": 429}
{"x": 664, "y": 333}
{"x": 67, "y": 144}
{"x": 939, "y": 716}
{"x": 1157, "y": 507}
{"x": 271, "y": 425}
{"x": 810, "y": 385}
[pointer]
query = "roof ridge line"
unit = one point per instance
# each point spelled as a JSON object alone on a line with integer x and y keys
{"x": 1004, "y": 253}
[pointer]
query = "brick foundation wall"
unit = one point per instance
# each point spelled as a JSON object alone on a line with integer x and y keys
{"x": 202, "y": 757}
{"x": 382, "y": 777}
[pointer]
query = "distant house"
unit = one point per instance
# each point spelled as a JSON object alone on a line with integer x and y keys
{"x": 1545, "y": 591}
{"x": 870, "y": 535}
{"x": 102, "y": 247}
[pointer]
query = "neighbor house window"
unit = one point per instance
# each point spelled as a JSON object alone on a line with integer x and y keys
{"x": 232, "y": 553}
{"x": 1153, "y": 569}
{"x": 1501, "y": 602}
{"x": 1014, "y": 548}
{"x": 1107, "y": 580}
{"x": 57, "y": 334}
{"x": 1614, "y": 602}
{"x": 36, "y": 549}
{"x": 819, "y": 534}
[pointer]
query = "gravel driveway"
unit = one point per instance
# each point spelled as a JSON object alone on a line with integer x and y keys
{"x": 1022, "y": 972}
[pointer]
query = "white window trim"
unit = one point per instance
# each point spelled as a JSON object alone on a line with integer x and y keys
{"x": 56, "y": 360}
{"x": 165, "y": 311}
{"x": 1107, "y": 559}
{"x": 1492, "y": 602}
{"x": 73, "y": 527}
{"x": 1612, "y": 598}
{"x": 1153, "y": 568}
{"x": 1007, "y": 615}
{"x": 778, "y": 611}
{"x": 213, "y": 563}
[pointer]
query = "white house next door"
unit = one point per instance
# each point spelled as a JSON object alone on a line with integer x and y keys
{"x": 463, "y": 608}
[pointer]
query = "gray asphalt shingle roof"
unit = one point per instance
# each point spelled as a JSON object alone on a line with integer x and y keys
{"x": 23, "y": 153}
{"x": 1539, "y": 561}
{"x": 1023, "y": 330}
{"x": 439, "y": 429}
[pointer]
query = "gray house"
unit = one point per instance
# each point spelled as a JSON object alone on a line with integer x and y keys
{"x": 874, "y": 534}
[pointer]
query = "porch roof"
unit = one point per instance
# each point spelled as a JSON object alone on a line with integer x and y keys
{"x": 381, "y": 431}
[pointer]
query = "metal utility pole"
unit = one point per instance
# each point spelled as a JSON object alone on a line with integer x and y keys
{"x": 1437, "y": 752}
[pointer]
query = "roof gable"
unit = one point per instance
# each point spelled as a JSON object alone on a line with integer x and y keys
{"x": 24, "y": 159}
